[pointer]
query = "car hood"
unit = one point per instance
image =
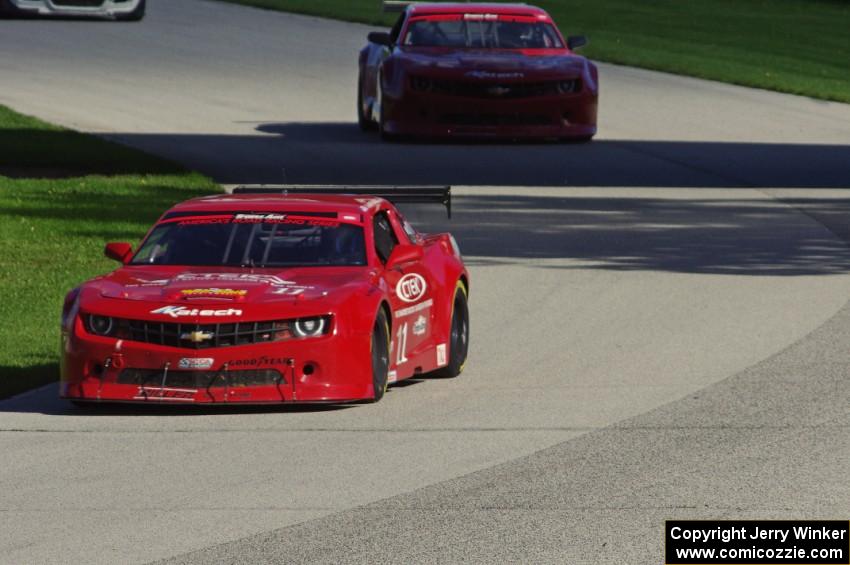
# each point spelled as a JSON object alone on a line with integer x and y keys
{"x": 486, "y": 64}
{"x": 199, "y": 286}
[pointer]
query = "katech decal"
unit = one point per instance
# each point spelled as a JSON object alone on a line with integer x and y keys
{"x": 182, "y": 311}
{"x": 157, "y": 393}
{"x": 189, "y": 363}
{"x": 414, "y": 309}
{"x": 258, "y": 361}
{"x": 420, "y": 325}
{"x": 213, "y": 292}
{"x": 411, "y": 287}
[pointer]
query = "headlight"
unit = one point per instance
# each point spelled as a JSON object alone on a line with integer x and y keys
{"x": 100, "y": 325}
{"x": 311, "y": 327}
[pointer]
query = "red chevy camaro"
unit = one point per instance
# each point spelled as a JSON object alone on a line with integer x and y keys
{"x": 263, "y": 296}
{"x": 478, "y": 70}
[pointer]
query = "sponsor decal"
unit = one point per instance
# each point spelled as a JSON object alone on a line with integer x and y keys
{"x": 157, "y": 393}
{"x": 258, "y": 361}
{"x": 488, "y": 74}
{"x": 259, "y": 218}
{"x": 204, "y": 220}
{"x": 213, "y": 292}
{"x": 233, "y": 277}
{"x": 392, "y": 377}
{"x": 182, "y": 312}
{"x": 197, "y": 336}
{"x": 481, "y": 17}
{"x": 256, "y": 219}
{"x": 414, "y": 309}
{"x": 420, "y": 325}
{"x": 411, "y": 287}
{"x": 441, "y": 355}
{"x": 192, "y": 363}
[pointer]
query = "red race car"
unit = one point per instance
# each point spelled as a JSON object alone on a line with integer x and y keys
{"x": 295, "y": 294}
{"x": 476, "y": 70}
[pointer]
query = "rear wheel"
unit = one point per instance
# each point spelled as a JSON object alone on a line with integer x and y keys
{"x": 458, "y": 336}
{"x": 380, "y": 354}
{"x": 135, "y": 16}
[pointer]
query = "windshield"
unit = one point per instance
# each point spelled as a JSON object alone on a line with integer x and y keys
{"x": 482, "y": 31}
{"x": 253, "y": 240}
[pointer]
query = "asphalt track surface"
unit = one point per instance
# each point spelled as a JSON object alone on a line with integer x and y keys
{"x": 659, "y": 319}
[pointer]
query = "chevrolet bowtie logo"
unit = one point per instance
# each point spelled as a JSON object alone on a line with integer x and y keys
{"x": 498, "y": 90}
{"x": 197, "y": 336}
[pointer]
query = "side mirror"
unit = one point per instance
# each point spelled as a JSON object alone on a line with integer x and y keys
{"x": 576, "y": 41}
{"x": 404, "y": 253}
{"x": 120, "y": 252}
{"x": 381, "y": 38}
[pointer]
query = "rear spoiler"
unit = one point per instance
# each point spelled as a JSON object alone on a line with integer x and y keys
{"x": 395, "y": 5}
{"x": 423, "y": 194}
{"x": 399, "y": 5}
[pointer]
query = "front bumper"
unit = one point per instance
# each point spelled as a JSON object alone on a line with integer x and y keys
{"x": 426, "y": 114}
{"x": 331, "y": 368}
{"x": 93, "y": 8}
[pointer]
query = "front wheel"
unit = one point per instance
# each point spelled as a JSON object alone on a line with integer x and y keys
{"x": 459, "y": 335}
{"x": 364, "y": 121}
{"x": 380, "y": 355}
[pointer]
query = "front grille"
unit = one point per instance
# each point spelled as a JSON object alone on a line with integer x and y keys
{"x": 468, "y": 119}
{"x": 497, "y": 91}
{"x": 201, "y": 379}
{"x": 79, "y": 3}
{"x": 206, "y": 336}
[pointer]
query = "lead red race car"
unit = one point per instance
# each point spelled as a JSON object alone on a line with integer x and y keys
{"x": 271, "y": 295}
{"x": 482, "y": 70}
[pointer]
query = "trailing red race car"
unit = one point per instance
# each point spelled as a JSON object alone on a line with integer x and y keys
{"x": 476, "y": 70}
{"x": 310, "y": 294}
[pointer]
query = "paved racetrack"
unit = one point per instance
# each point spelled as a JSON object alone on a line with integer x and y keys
{"x": 659, "y": 320}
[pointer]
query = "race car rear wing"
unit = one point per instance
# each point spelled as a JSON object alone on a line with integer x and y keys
{"x": 423, "y": 194}
{"x": 400, "y": 5}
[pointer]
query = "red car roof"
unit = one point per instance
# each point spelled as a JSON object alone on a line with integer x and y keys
{"x": 279, "y": 203}
{"x": 474, "y": 8}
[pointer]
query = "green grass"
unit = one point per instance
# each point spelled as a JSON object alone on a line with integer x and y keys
{"x": 796, "y": 46}
{"x": 52, "y": 230}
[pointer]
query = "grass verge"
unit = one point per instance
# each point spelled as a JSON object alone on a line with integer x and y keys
{"x": 795, "y": 46}
{"x": 62, "y": 196}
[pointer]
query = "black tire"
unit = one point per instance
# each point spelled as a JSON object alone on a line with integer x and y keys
{"x": 135, "y": 16}
{"x": 7, "y": 10}
{"x": 458, "y": 336}
{"x": 380, "y": 355}
{"x": 365, "y": 122}
{"x": 385, "y": 135}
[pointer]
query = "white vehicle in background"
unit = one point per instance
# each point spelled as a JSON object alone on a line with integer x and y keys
{"x": 125, "y": 10}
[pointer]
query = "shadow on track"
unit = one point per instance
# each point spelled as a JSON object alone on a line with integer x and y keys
{"x": 728, "y": 237}
{"x": 341, "y": 153}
